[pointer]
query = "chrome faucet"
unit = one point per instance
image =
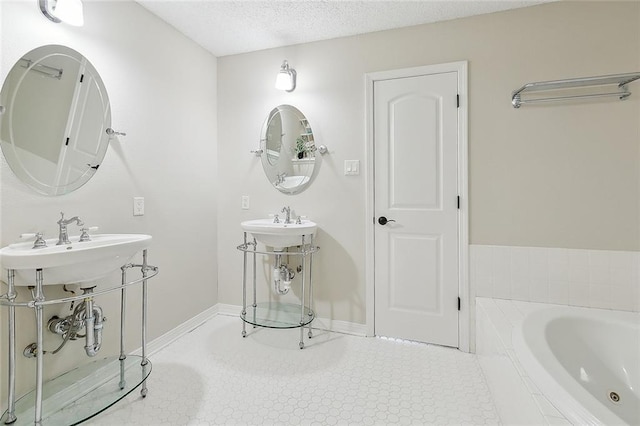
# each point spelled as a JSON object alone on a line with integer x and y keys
{"x": 280, "y": 178}
{"x": 287, "y": 217}
{"x": 63, "y": 238}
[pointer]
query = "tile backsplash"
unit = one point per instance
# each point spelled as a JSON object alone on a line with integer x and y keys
{"x": 593, "y": 278}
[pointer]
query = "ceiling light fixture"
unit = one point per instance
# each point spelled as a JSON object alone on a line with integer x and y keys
{"x": 67, "y": 11}
{"x": 286, "y": 79}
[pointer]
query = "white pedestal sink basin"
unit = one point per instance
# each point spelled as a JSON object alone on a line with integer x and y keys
{"x": 279, "y": 235}
{"x": 77, "y": 262}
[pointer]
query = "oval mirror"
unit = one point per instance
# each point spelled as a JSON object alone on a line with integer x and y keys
{"x": 288, "y": 150}
{"x": 55, "y": 116}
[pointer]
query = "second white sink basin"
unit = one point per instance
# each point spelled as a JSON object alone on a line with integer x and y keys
{"x": 291, "y": 182}
{"x": 279, "y": 235}
{"x": 73, "y": 263}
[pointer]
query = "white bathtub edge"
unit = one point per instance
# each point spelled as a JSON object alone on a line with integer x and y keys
{"x": 552, "y": 379}
{"x": 572, "y": 411}
{"x": 517, "y": 399}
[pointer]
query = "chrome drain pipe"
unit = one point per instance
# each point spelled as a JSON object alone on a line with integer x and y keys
{"x": 282, "y": 276}
{"x": 93, "y": 325}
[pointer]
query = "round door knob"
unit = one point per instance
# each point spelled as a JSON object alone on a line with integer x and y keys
{"x": 383, "y": 220}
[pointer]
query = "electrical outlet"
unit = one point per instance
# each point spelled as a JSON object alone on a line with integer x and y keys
{"x": 138, "y": 206}
{"x": 245, "y": 202}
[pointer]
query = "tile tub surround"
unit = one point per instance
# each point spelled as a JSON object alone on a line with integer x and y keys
{"x": 518, "y": 399}
{"x": 604, "y": 279}
{"x": 212, "y": 375}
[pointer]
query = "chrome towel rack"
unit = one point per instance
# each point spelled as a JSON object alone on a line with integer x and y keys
{"x": 619, "y": 80}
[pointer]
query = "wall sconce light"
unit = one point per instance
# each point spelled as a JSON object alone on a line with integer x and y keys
{"x": 67, "y": 11}
{"x": 286, "y": 79}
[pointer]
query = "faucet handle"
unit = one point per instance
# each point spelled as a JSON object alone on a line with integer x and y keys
{"x": 299, "y": 219}
{"x": 39, "y": 240}
{"x": 84, "y": 236}
{"x": 276, "y": 219}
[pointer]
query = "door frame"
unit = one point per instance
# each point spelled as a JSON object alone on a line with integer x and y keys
{"x": 466, "y": 315}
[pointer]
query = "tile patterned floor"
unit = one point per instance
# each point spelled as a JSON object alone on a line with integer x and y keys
{"x": 213, "y": 376}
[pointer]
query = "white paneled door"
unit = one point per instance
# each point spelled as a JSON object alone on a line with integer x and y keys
{"x": 416, "y": 208}
{"x": 83, "y": 146}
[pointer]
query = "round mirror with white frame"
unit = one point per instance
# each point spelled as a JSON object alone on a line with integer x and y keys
{"x": 55, "y": 116}
{"x": 288, "y": 150}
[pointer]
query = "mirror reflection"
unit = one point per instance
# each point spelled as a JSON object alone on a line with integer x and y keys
{"x": 56, "y": 112}
{"x": 288, "y": 150}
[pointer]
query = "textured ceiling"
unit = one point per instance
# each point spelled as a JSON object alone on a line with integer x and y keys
{"x": 231, "y": 27}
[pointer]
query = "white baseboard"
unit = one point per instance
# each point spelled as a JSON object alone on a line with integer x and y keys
{"x": 229, "y": 310}
{"x": 155, "y": 345}
{"x": 338, "y": 326}
{"x": 170, "y": 336}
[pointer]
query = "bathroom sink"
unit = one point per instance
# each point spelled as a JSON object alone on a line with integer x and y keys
{"x": 279, "y": 235}
{"x": 290, "y": 182}
{"x": 77, "y": 262}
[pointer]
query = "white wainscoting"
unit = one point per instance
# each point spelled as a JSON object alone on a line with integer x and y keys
{"x": 593, "y": 278}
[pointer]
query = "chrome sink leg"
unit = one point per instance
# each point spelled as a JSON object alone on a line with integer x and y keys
{"x": 255, "y": 304}
{"x": 145, "y": 266}
{"x": 310, "y": 285}
{"x": 302, "y": 298}
{"x": 244, "y": 289}
{"x": 39, "y": 352}
{"x": 255, "y": 245}
{"x": 11, "y": 398}
{"x": 123, "y": 306}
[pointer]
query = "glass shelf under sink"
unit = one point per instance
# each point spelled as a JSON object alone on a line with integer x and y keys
{"x": 277, "y": 315}
{"x": 82, "y": 393}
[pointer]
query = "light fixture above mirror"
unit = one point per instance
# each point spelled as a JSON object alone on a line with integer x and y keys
{"x": 67, "y": 11}
{"x": 286, "y": 79}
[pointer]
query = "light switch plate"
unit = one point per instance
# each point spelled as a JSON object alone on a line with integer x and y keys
{"x": 245, "y": 202}
{"x": 351, "y": 167}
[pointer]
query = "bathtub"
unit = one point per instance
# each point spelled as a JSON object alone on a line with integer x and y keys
{"x": 585, "y": 361}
